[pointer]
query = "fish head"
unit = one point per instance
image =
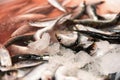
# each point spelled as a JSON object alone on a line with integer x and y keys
{"x": 67, "y": 39}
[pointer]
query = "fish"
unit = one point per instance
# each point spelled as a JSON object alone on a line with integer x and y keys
{"x": 76, "y": 42}
{"x": 79, "y": 11}
{"x": 48, "y": 25}
{"x": 18, "y": 39}
{"x": 96, "y": 35}
{"x": 69, "y": 41}
{"x": 25, "y": 28}
{"x": 29, "y": 57}
{"x": 57, "y": 5}
{"x": 40, "y": 9}
{"x": 44, "y": 24}
{"x": 21, "y": 61}
{"x": 91, "y": 10}
{"x": 18, "y": 49}
{"x": 5, "y": 58}
{"x": 87, "y": 28}
{"x": 99, "y": 24}
{"x": 21, "y": 65}
{"x": 73, "y": 42}
{"x": 30, "y": 16}
{"x": 26, "y": 7}
{"x": 87, "y": 9}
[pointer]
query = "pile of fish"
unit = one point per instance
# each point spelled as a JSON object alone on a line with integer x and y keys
{"x": 68, "y": 47}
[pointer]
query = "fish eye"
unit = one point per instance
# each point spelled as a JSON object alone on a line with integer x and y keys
{"x": 59, "y": 39}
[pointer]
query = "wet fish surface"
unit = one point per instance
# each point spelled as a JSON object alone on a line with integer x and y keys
{"x": 96, "y": 24}
{"x": 111, "y": 38}
{"x": 59, "y": 40}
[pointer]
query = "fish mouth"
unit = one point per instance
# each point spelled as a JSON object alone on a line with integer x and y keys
{"x": 58, "y": 38}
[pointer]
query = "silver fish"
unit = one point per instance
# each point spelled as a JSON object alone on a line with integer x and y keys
{"x": 56, "y": 4}
{"x": 21, "y": 65}
{"x": 5, "y": 58}
{"x": 44, "y": 23}
{"x": 67, "y": 39}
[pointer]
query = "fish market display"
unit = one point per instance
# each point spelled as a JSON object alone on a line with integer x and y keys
{"x": 59, "y": 40}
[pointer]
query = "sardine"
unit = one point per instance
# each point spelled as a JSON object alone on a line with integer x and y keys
{"x": 21, "y": 65}
{"x": 18, "y": 39}
{"x": 91, "y": 10}
{"x": 56, "y": 4}
{"x": 5, "y": 59}
{"x": 48, "y": 25}
{"x": 74, "y": 42}
{"x": 110, "y": 38}
{"x": 29, "y": 57}
{"x": 30, "y": 16}
{"x": 96, "y": 24}
{"x": 88, "y": 9}
{"x": 79, "y": 11}
{"x": 43, "y": 24}
{"x": 24, "y": 61}
{"x": 22, "y": 30}
{"x": 40, "y": 9}
{"x": 68, "y": 40}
